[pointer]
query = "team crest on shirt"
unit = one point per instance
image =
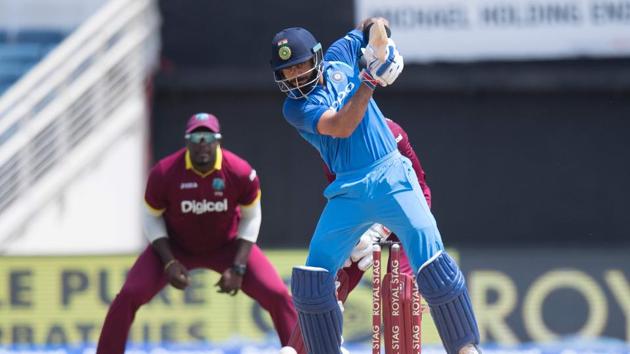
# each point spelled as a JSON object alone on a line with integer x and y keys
{"x": 218, "y": 184}
{"x": 337, "y": 76}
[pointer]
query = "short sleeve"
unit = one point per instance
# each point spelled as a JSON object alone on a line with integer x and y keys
{"x": 303, "y": 115}
{"x": 251, "y": 188}
{"x": 155, "y": 195}
{"x": 346, "y": 49}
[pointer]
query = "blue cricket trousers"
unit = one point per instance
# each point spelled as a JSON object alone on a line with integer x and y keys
{"x": 385, "y": 192}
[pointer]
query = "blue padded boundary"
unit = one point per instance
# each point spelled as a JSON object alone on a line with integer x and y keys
{"x": 319, "y": 315}
{"x": 443, "y": 286}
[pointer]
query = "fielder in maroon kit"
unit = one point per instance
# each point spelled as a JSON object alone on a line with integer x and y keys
{"x": 361, "y": 257}
{"x": 203, "y": 211}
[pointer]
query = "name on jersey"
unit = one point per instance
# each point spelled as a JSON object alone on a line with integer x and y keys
{"x": 204, "y": 206}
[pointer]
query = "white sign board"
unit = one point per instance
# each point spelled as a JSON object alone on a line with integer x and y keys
{"x": 468, "y": 30}
{"x": 48, "y": 14}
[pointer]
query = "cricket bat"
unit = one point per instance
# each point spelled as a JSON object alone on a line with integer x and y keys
{"x": 378, "y": 40}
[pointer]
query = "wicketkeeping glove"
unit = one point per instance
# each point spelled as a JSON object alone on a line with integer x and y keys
{"x": 362, "y": 252}
{"x": 384, "y": 72}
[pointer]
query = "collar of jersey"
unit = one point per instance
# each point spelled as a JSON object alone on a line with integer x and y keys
{"x": 217, "y": 163}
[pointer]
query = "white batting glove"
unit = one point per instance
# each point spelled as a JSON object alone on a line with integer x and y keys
{"x": 384, "y": 72}
{"x": 362, "y": 252}
{"x": 337, "y": 285}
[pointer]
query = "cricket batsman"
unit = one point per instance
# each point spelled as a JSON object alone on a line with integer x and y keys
{"x": 361, "y": 257}
{"x": 329, "y": 102}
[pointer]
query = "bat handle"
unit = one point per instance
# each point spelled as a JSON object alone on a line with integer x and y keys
{"x": 378, "y": 39}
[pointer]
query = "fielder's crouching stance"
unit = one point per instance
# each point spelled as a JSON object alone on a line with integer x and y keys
{"x": 203, "y": 211}
{"x": 330, "y": 104}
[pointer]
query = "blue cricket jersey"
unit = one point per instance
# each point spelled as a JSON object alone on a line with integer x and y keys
{"x": 370, "y": 141}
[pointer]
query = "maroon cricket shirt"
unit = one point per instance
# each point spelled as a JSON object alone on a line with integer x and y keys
{"x": 201, "y": 211}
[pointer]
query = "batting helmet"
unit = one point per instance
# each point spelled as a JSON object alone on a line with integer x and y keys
{"x": 293, "y": 46}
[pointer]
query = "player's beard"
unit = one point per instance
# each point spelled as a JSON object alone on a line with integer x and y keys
{"x": 303, "y": 79}
{"x": 203, "y": 157}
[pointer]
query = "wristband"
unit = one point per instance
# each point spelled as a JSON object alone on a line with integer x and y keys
{"x": 239, "y": 269}
{"x": 367, "y": 79}
{"x": 169, "y": 263}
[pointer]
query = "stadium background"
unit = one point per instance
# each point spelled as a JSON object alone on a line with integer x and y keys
{"x": 527, "y": 159}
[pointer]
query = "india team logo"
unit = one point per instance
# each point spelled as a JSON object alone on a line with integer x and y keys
{"x": 284, "y": 52}
{"x": 218, "y": 184}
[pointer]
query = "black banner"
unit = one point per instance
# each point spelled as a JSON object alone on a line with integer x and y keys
{"x": 543, "y": 295}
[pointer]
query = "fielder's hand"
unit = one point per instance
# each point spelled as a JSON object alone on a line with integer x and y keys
{"x": 362, "y": 252}
{"x": 385, "y": 73}
{"x": 177, "y": 274}
{"x": 230, "y": 282}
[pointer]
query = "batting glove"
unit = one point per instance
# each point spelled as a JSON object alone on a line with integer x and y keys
{"x": 385, "y": 73}
{"x": 362, "y": 252}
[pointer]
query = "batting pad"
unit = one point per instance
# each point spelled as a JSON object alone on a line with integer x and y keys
{"x": 319, "y": 315}
{"x": 443, "y": 286}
